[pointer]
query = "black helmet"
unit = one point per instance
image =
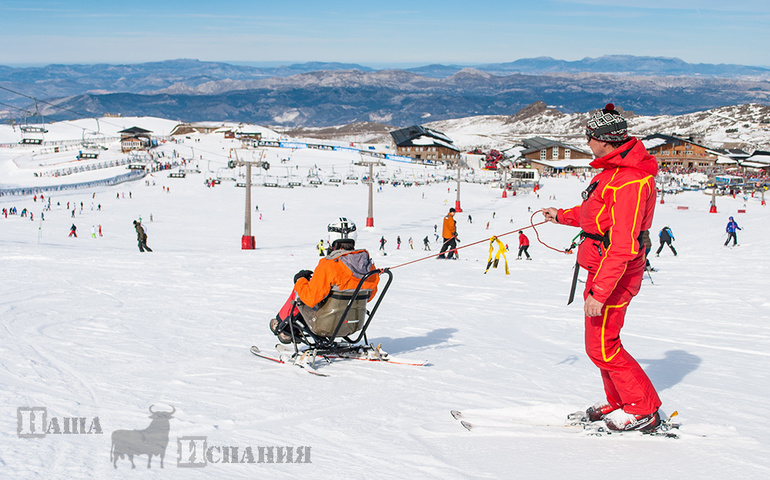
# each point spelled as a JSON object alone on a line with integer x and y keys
{"x": 344, "y": 243}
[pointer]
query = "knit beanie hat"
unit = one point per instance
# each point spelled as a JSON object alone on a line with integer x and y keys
{"x": 607, "y": 125}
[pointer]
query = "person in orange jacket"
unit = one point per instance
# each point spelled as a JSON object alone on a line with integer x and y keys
{"x": 617, "y": 208}
{"x": 449, "y": 234}
{"x": 343, "y": 267}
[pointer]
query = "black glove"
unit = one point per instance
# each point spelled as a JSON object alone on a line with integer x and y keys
{"x": 303, "y": 274}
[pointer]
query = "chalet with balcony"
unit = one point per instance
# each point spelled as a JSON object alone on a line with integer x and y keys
{"x": 679, "y": 153}
{"x": 425, "y": 145}
{"x": 550, "y": 156}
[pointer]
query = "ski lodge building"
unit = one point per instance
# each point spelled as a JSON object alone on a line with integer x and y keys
{"x": 134, "y": 138}
{"x": 425, "y": 145}
{"x": 674, "y": 152}
{"x": 551, "y": 156}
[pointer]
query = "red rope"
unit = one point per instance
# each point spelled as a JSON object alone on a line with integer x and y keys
{"x": 531, "y": 225}
{"x": 538, "y": 235}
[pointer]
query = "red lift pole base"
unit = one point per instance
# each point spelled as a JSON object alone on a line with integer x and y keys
{"x": 248, "y": 243}
{"x": 457, "y": 206}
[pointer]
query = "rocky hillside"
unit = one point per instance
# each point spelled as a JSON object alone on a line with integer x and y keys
{"x": 322, "y": 95}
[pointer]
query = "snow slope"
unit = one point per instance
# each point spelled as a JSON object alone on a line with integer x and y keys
{"x": 92, "y": 328}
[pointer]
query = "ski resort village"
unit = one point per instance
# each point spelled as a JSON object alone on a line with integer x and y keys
{"x": 146, "y": 263}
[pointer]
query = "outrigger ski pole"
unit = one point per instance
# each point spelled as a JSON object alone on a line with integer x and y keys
{"x": 576, "y": 270}
{"x": 574, "y": 283}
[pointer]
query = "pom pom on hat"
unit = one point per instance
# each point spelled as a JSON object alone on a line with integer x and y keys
{"x": 607, "y": 125}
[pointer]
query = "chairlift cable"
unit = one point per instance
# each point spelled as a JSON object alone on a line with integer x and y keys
{"x": 79, "y": 114}
{"x": 17, "y": 108}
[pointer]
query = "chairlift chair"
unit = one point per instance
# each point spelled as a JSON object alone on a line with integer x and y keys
{"x": 33, "y": 134}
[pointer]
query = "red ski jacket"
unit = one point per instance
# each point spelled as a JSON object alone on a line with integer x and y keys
{"x": 618, "y": 206}
{"x": 523, "y": 240}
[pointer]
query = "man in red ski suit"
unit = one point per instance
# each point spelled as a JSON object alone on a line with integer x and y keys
{"x": 617, "y": 208}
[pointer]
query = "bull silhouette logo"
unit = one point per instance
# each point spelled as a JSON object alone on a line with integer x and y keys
{"x": 150, "y": 441}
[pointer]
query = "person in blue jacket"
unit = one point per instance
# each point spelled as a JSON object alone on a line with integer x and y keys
{"x": 666, "y": 236}
{"x": 731, "y": 229}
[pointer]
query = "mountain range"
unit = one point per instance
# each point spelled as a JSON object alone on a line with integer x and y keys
{"x": 323, "y": 94}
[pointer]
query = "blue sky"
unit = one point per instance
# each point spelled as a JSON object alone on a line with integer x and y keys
{"x": 384, "y": 33}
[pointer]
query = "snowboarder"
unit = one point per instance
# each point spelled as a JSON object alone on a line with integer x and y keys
{"x": 666, "y": 236}
{"x": 731, "y": 229}
{"x": 398, "y": 242}
{"x": 321, "y": 248}
{"x": 411, "y": 243}
{"x": 93, "y": 231}
{"x": 523, "y": 246}
{"x": 617, "y": 207}
{"x": 73, "y": 231}
{"x": 382, "y": 243}
{"x": 426, "y": 243}
{"x": 449, "y": 233}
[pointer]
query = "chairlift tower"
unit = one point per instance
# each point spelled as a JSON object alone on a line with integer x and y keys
{"x": 371, "y": 163}
{"x": 247, "y": 241}
{"x": 457, "y": 202}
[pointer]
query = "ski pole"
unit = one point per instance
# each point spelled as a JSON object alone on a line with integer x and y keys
{"x": 649, "y": 274}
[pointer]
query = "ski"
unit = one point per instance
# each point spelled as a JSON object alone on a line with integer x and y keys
{"x": 484, "y": 422}
{"x": 386, "y": 358}
{"x": 575, "y": 421}
{"x": 256, "y": 351}
{"x": 374, "y": 354}
{"x": 287, "y": 361}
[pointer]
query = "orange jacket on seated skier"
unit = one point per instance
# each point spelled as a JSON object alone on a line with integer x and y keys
{"x": 343, "y": 268}
{"x": 619, "y": 207}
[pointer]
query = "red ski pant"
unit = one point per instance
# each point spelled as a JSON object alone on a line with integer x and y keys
{"x": 625, "y": 383}
{"x": 288, "y": 309}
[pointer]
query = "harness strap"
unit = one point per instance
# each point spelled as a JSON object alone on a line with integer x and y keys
{"x": 605, "y": 239}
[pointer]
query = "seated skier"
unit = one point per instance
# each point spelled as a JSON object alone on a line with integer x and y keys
{"x": 342, "y": 267}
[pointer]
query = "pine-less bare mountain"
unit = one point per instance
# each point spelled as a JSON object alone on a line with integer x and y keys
{"x": 338, "y": 94}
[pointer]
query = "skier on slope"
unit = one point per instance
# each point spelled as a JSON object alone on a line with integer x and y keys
{"x": 666, "y": 236}
{"x": 731, "y": 229}
{"x": 523, "y": 246}
{"x": 647, "y": 248}
{"x": 617, "y": 207}
{"x": 141, "y": 237}
{"x": 449, "y": 234}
